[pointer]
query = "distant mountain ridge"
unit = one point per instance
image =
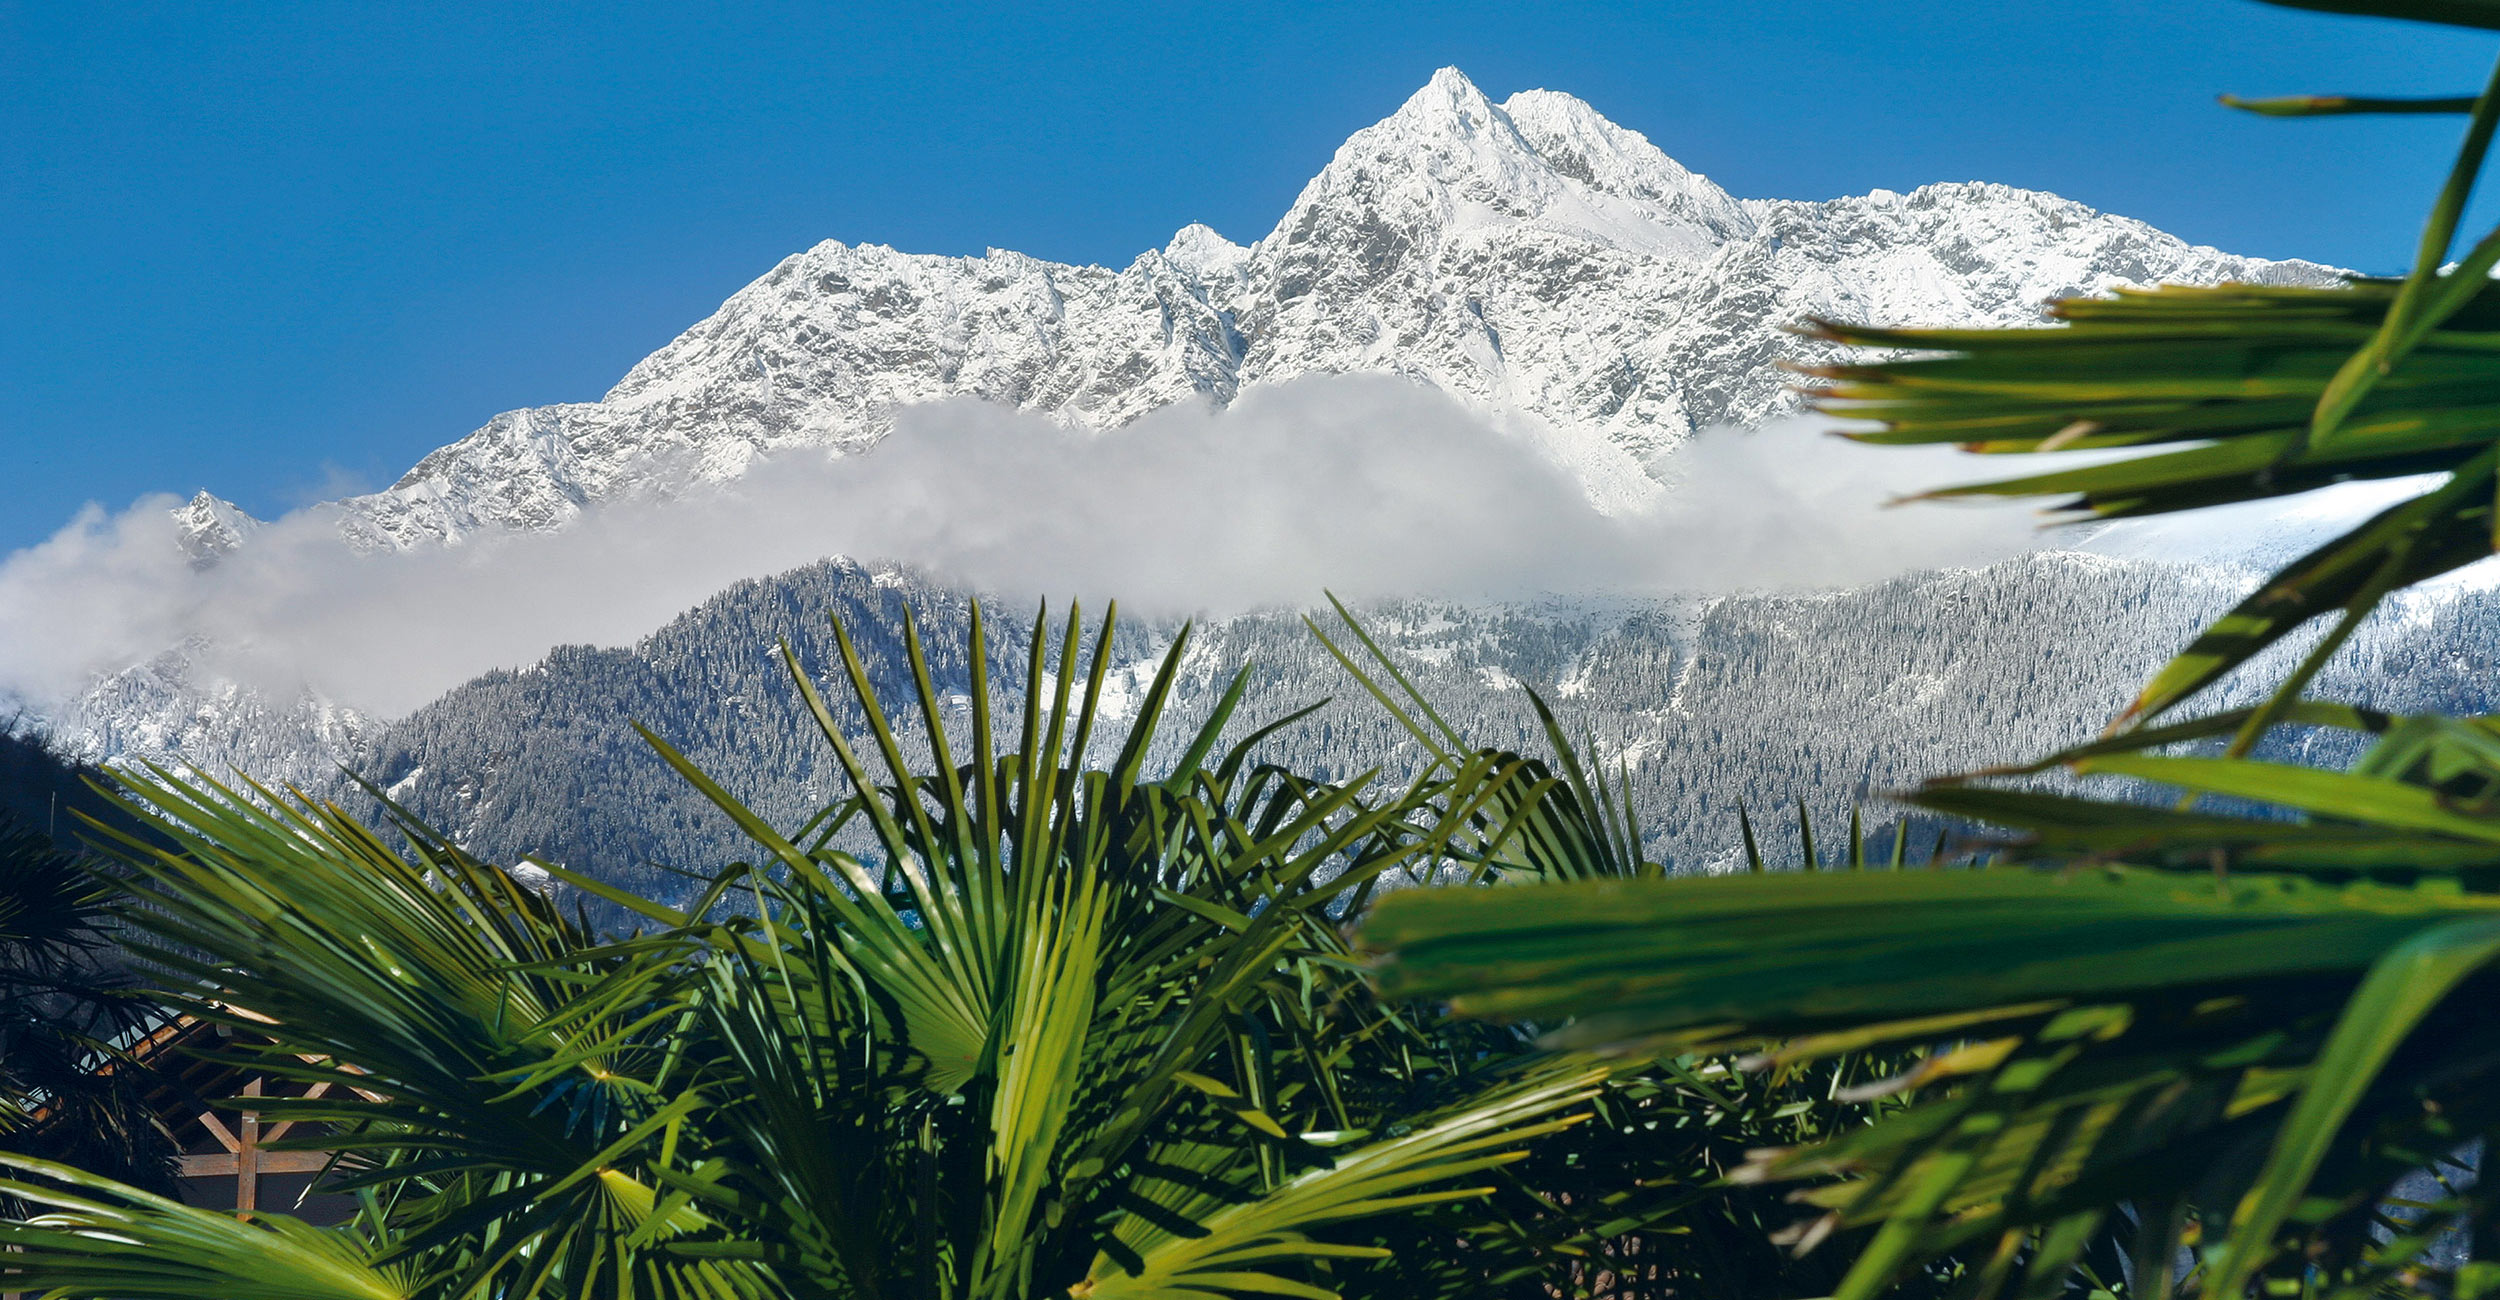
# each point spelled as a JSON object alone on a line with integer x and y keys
{"x": 1530, "y": 257}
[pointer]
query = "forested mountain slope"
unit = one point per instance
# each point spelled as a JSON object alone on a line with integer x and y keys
{"x": 1760, "y": 699}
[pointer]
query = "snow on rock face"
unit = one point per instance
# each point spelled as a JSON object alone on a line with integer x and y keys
{"x": 169, "y": 710}
{"x": 1529, "y": 257}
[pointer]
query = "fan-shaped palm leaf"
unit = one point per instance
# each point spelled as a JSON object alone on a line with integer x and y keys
{"x": 1023, "y": 982}
{"x": 991, "y": 1028}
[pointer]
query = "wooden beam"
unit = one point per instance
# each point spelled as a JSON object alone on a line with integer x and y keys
{"x": 271, "y": 1162}
{"x": 314, "y": 1059}
{"x": 205, "y": 1166}
{"x": 247, "y": 1157}
{"x": 278, "y": 1130}
{"x": 216, "y": 1129}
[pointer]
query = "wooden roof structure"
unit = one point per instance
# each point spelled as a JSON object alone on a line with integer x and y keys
{"x": 202, "y": 1096}
{"x": 203, "y": 1099}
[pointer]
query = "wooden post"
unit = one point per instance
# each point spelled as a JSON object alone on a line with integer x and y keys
{"x": 247, "y": 1157}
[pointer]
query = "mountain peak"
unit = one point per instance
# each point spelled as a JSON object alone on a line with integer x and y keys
{"x": 208, "y": 526}
{"x": 1449, "y": 100}
{"x": 1450, "y": 158}
{"x": 1197, "y": 248}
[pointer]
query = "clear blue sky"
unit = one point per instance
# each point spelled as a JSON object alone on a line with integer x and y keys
{"x": 281, "y": 251}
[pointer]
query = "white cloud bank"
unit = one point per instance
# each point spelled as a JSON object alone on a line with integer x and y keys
{"x": 1365, "y": 485}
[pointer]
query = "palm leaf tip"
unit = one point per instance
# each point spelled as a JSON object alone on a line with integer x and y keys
{"x": 1685, "y": 956}
{"x": 2216, "y": 391}
{"x": 2483, "y": 14}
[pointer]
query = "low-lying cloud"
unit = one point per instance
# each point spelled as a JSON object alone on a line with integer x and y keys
{"x": 1369, "y": 486}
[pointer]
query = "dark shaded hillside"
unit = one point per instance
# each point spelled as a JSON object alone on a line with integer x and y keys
{"x": 44, "y": 791}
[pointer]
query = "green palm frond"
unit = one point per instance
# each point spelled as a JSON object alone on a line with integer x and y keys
{"x": 1004, "y": 1022}
{"x": 1714, "y": 961}
{"x": 1236, "y": 1250}
{"x": 1027, "y": 981}
{"x": 2118, "y": 1028}
{"x": 435, "y": 995}
{"x": 2419, "y": 801}
{"x": 2231, "y": 378}
{"x": 93, "y": 1239}
{"x": 1536, "y": 823}
{"x": 2462, "y": 13}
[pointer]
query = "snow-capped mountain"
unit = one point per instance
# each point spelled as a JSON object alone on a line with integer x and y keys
{"x": 1530, "y": 257}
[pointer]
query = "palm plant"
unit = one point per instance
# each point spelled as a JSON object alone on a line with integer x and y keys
{"x": 1003, "y": 1025}
{"x": 2226, "y": 1030}
{"x": 1639, "y": 1203}
{"x": 63, "y": 1006}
